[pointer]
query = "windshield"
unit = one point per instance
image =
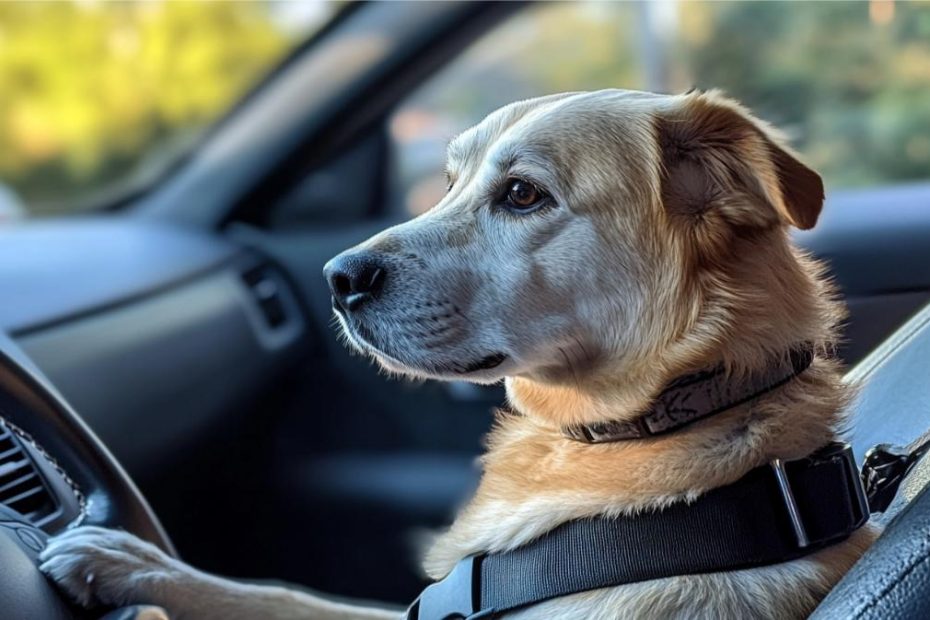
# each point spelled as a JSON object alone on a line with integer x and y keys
{"x": 100, "y": 97}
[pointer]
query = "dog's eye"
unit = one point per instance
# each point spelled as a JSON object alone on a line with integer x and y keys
{"x": 523, "y": 195}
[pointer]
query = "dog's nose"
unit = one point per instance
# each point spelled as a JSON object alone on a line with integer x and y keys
{"x": 354, "y": 279}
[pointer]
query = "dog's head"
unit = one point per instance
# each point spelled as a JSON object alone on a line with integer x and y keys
{"x": 584, "y": 233}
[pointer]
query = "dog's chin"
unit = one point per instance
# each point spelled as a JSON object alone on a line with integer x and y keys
{"x": 486, "y": 369}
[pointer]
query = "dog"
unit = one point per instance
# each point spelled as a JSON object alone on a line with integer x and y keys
{"x": 591, "y": 248}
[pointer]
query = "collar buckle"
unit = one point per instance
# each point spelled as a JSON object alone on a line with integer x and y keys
{"x": 608, "y": 432}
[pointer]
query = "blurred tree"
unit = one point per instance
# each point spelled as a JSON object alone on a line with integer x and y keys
{"x": 850, "y": 81}
{"x": 553, "y": 47}
{"x": 89, "y": 88}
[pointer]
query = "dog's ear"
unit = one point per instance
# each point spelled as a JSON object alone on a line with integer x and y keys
{"x": 716, "y": 155}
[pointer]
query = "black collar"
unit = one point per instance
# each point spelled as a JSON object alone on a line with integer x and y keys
{"x": 775, "y": 513}
{"x": 694, "y": 397}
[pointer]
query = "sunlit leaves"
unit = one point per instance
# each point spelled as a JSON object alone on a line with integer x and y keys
{"x": 87, "y": 88}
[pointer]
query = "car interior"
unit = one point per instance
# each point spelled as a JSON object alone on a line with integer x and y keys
{"x": 168, "y": 363}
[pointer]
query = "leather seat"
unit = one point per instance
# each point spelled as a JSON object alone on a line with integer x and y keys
{"x": 893, "y": 405}
{"x": 892, "y": 579}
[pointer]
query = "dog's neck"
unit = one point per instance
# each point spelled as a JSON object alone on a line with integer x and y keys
{"x": 744, "y": 338}
{"x": 535, "y": 477}
{"x": 630, "y": 409}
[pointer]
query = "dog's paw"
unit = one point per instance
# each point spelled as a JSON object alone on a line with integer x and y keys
{"x": 95, "y": 565}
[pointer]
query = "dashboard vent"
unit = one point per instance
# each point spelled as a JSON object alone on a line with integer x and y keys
{"x": 21, "y": 485}
{"x": 266, "y": 289}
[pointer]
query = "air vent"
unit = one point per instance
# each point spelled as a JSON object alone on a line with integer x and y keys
{"x": 21, "y": 485}
{"x": 266, "y": 289}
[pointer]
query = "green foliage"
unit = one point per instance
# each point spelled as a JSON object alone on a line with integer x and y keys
{"x": 852, "y": 91}
{"x": 850, "y": 87}
{"x": 89, "y": 87}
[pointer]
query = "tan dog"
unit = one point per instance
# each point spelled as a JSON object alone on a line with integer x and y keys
{"x": 592, "y": 248}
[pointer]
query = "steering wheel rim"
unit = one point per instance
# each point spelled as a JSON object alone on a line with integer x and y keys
{"x": 42, "y": 417}
{"x": 33, "y": 409}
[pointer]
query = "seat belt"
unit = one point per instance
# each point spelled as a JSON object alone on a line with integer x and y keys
{"x": 775, "y": 513}
{"x": 886, "y": 466}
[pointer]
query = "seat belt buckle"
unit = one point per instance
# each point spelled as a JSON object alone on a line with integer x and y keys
{"x": 837, "y": 453}
{"x": 884, "y": 469}
{"x": 455, "y": 597}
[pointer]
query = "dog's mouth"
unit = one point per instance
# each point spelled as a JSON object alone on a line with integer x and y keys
{"x": 364, "y": 338}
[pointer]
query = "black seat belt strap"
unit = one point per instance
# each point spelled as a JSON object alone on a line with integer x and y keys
{"x": 745, "y": 524}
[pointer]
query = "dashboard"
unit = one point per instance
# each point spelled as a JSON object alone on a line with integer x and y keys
{"x": 152, "y": 332}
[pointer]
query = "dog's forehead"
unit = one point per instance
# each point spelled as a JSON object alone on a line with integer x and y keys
{"x": 556, "y": 121}
{"x": 472, "y": 143}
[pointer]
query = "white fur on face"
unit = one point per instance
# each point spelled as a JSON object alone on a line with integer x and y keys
{"x": 548, "y": 294}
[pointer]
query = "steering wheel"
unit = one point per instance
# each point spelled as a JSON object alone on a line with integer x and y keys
{"x": 100, "y": 491}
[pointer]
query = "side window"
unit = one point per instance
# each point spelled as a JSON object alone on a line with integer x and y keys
{"x": 847, "y": 81}
{"x": 100, "y": 98}
{"x": 533, "y": 53}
